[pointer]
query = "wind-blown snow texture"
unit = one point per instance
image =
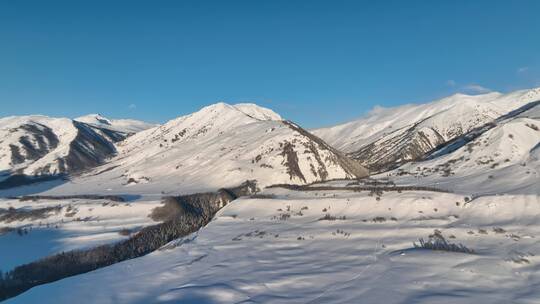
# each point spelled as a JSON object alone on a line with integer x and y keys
{"x": 277, "y": 250}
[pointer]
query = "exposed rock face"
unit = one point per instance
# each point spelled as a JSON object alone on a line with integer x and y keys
{"x": 220, "y": 145}
{"x": 408, "y": 145}
{"x": 290, "y": 161}
{"x": 388, "y": 138}
{"x": 35, "y": 148}
{"x": 502, "y": 154}
{"x": 90, "y": 148}
{"x": 353, "y": 167}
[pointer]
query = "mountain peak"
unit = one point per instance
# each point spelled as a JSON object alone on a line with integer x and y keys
{"x": 250, "y": 109}
{"x": 257, "y": 111}
{"x": 94, "y": 119}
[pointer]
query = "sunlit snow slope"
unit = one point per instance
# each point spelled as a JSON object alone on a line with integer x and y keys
{"x": 282, "y": 250}
{"x": 120, "y": 125}
{"x": 221, "y": 145}
{"x": 389, "y": 137}
{"x": 500, "y": 157}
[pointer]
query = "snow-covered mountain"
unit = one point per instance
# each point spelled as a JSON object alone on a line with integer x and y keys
{"x": 315, "y": 243}
{"x": 504, "y": 154}
{"x": 45, "y": 146}
{"x": 119, "y": 125}
{"x": 389, "y": 137}
{"x": 220, "y": 145}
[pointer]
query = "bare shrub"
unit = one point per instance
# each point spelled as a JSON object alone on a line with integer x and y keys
{"x": 11, "y": 214}
{"x": 439, "y": 243}
{"x": 533, "y": 126}
{"x": 379, "y": 219}
{"x": 124, "y": 232}
{"x": 498, "y": 230}
{"x": 328, "y": 217}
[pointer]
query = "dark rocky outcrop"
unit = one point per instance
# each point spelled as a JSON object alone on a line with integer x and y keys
{"x": 352, "y": 167}
{"x": 91, "y": 147}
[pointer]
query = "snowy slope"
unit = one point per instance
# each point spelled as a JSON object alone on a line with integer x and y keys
{"x": 41, "y": 146}
{"x": 120, "y": 125}
{"x": 38, "y": 228}
{"x": 277, "y": 250}
{"x": 501, "y": 157}
{"x": 393, "y": 136}
{"x": 219, "y": 146}
{"x": 316, "y": 246}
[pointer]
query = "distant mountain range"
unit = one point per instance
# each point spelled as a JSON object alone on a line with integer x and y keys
{"x": 387, "y": 138}
{"x": 224, "y": 145}
{"x": 220, "y": 145}
{"x": 40, "y": 146}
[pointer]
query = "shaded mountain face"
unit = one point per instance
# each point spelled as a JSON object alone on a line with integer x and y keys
{"x": 221, "y": 145}
{"x": 388, "y": 138}
{"x": 40, "y": 146}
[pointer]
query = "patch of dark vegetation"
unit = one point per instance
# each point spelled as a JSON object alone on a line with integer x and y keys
{"x": 374, "y": 182}
{"x": 533, "y": 126}
{"x": 482, "y": 231}
{"x": 520, "y": 257}
{"x": 255, "y": 234}
{"x": 16, "y": 215}
{"x": 198, "y": 211}
{"x": 291, "y": 162}
{"x": 352, "y": 167}
{"x": 328, "y": 217}
{"x": 263, "y": 196}
{"x": 498, "y": 230}
{"x": 105, "y": 170}
{"x": 71, "y": 211}
{"x": 114, "y": 198}
{"x": 371, "y": 189}
{"x": 342, "y": 232}
{"x": 282, "y": 216}
{"x": 437, "y": 242}
{"x": 125, "y": 232}
{"x": 378, "y": 219}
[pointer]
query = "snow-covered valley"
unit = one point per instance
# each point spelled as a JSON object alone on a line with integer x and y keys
{"x": 314, "y": 229}
{"x": 332, "y": 247}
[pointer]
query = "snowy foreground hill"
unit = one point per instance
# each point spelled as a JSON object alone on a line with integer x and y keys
{"x": 456, "y": 223}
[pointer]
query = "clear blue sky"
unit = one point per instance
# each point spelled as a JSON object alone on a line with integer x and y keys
{"x": 315, "y": 62}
